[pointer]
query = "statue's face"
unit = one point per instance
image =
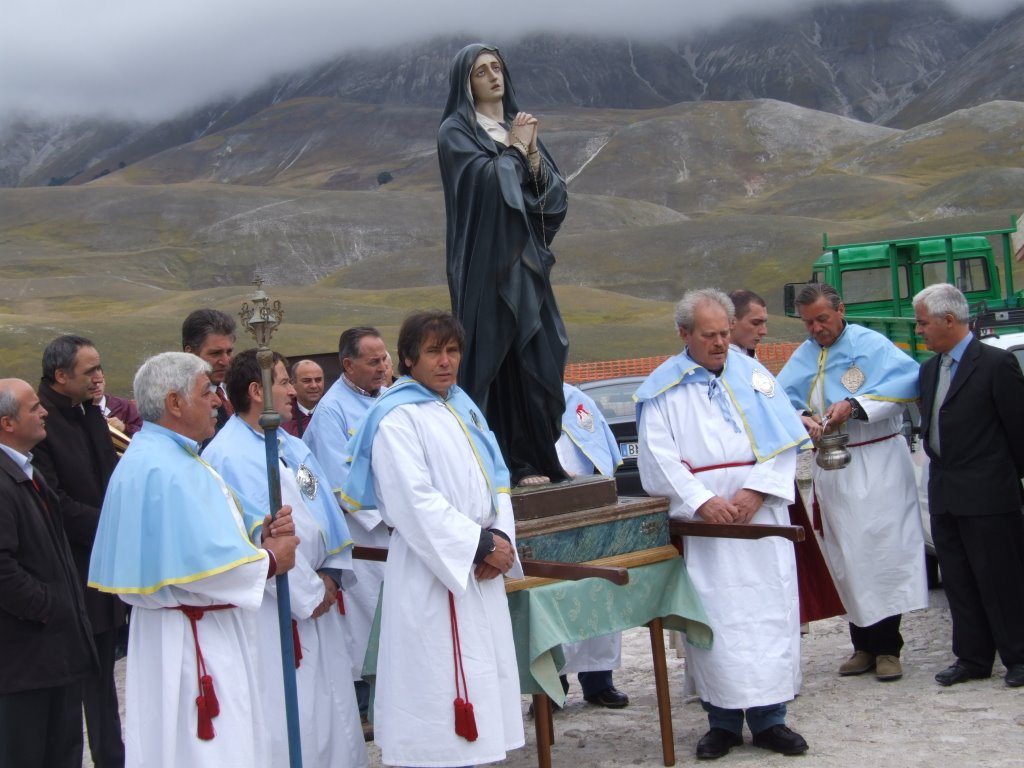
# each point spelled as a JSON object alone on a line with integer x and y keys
{"x": 486, "y": 79}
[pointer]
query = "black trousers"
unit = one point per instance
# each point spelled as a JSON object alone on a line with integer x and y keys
{"x": 42, "y": 728}
{"x": 592, "y": 683}
{"x": 982, "y": 562}
{"x": 99, "y": 698}
{"x": 880, "y": 639}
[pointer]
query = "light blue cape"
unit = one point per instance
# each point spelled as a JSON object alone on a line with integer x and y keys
{"x": 165, "y": 519}
{"x": 599, "y": 445}
{"x": 769, "y": 420}
{"x": 889, "y": 372}
{"x": 238, "y": 453}
{"x": 358, "y": 492}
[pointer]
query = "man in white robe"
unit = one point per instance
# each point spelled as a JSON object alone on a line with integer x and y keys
{"x": 871, "y": 523}
{"x": 364, "y": 376}
{"x": 330, "y": 732}
{"x": 587, "y": 445}
{"x": 174, "y": 543}
{"x": 718, "y": 440}
{"x": 425, "y": 456}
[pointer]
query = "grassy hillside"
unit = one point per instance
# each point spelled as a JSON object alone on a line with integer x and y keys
{"x": 727, "y": 194}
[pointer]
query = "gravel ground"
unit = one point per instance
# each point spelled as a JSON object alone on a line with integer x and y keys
{"x": 850, "y": 722}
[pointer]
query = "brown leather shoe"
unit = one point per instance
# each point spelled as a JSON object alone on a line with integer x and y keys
{"x": 888, "y": 667}
{"x": 858, "y": 664}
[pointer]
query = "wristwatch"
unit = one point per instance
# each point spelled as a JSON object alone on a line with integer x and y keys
{"x": 856, "y": 412}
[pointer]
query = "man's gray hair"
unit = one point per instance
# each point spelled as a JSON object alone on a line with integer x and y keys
{"x": 943, "y": 299}
{"x": 8, "y": 401}
{"x": 162, "y": 374}
{"x": 686, "y": 309}
{"x": 811, "y": 292}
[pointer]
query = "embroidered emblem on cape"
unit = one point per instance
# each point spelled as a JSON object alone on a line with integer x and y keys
{"x": 307, "y": 481}
{"x": 853, "y": 379}
{"x": 584, "y": 418}
{"x": 476, "y": 420}
{"x": 763, "y": 383}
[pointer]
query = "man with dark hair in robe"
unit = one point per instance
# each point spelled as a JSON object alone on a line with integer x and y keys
{"x": 505, "y": 201}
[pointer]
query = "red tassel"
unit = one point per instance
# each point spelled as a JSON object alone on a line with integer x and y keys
{"x": 296, "y": 643}
{"x": 212, "y": 705}
{"x": 204, "y": 729}
{"x": 341, "y": 603}
{"x": 465, "y": 720}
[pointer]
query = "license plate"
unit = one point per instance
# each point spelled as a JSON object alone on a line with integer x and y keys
{"x": 628, "y": 450}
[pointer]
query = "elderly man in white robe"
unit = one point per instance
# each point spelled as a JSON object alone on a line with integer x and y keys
{"x": 174, "y": 543}
{"x": 851, "y": 377}
{"x": 719, "y": 440}
{"x": 330, "y": 732}
{"x": 364, "y": 375}
{"x": 447, "y": 685}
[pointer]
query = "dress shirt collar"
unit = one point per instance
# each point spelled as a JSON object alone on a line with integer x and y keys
{"x": 23, "y": 460}
{"x": 956, "y": 354}
{"x": 359, "y": 390}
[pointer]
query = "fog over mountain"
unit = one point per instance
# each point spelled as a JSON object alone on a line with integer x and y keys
{"x": 151, "y": 61}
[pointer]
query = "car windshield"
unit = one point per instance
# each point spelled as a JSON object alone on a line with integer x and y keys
{"x": 615, "y": 399}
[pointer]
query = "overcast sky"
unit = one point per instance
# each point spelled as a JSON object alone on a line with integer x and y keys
{"x": 150, "y": 59}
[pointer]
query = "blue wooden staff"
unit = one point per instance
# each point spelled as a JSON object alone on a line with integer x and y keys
{"x": 262, "y": 320}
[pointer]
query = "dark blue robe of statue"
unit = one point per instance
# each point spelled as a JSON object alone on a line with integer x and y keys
{"x": 500, "y": 222}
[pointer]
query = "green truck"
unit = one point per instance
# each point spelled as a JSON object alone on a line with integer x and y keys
{"x": 878, "y": 280}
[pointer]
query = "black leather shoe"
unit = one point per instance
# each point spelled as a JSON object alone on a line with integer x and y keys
{"x": 716, "y": 743}
{"x": 958, "y": 673}
{"x": 780, "y": 739}
{"x": 611, "y": 697}
{"x": 1015, "y": 675}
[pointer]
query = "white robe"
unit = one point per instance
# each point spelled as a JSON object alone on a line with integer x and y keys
{"x": 330, "y": 730}
{"x": 748, "y": 588}
{"x": 161, "y": 685}
{"x": 329, "y": 726}
{"x": 335, "y": 419}
{"x": 872, "y": 538}
{"x": 430, "y": 488}
{"x": 595, "y": 654}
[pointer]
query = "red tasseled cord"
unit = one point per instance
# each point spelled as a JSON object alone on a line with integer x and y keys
{"x": 212, "y": 705}
{"x": 204, "y": 727}
{"x": 465, "y": 720}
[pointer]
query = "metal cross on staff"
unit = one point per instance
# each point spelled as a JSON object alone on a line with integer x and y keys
{"x": 262, "y": 318}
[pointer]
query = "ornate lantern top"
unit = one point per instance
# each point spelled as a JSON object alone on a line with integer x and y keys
{"x": 261, "y": 317}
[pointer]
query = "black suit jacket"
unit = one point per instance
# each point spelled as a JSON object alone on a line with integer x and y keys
{"x": 981, "y": 428}
{"x": 46, "y": 636}
{"x": 77, "y": 459}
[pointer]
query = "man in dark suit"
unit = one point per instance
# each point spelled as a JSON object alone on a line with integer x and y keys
{"x": 210, "y": 334}
{"x": 77, "y": 459}
{"x": 47, "y": 639}
{"x": 972, "y": 420}
{"x": 308, "y": 380}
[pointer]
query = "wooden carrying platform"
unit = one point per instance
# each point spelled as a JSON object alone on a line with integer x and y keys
{"x": 584, "y": 522}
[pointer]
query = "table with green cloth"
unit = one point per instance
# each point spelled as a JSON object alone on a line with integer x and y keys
{"x": 658, "y": 595}
{"x": 544, "y": 617}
